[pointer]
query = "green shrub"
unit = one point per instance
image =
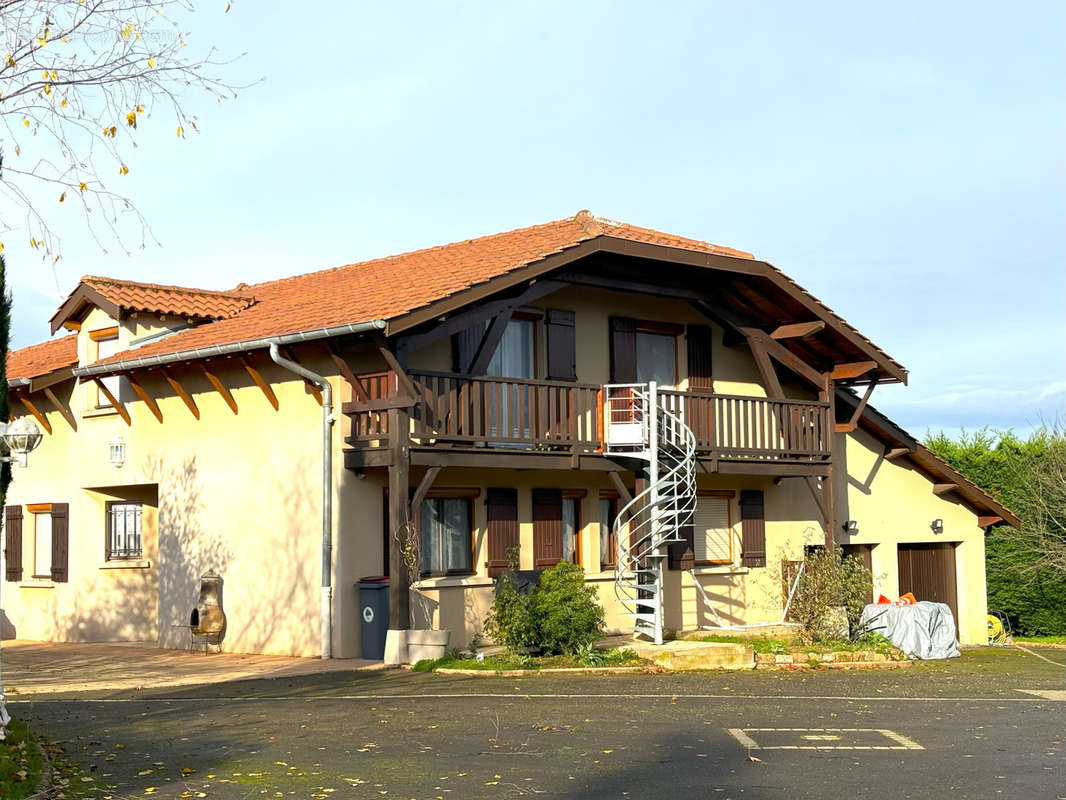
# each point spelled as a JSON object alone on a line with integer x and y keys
{"x": 560, "y": 615}
{"x": 829, "y": 581}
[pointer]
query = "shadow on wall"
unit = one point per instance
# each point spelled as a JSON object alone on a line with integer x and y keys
{"x": 186, "y": 551}
{"x": 461, "y": 610}
{"x": 268, "y": 594}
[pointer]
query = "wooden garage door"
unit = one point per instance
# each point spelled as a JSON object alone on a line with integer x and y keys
{"x": 928, "y": 572}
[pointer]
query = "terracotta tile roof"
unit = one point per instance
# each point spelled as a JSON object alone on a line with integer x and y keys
{"x": 179, "y": 300}
{"x": 386, "y": 288}
{"x": 40, "y": 359}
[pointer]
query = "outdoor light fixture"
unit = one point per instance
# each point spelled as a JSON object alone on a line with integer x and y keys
{"x": 937, "y": 526}
{"x": 17, "y": 439}
{"x": 116, "y": 450}
{"x": 850, "y": 526}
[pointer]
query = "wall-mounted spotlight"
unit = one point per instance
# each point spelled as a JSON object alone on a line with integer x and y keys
{"x": 937, "y": 526}
{"x": 850, "y": 526}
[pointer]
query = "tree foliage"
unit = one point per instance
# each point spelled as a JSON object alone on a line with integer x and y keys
{"x": 829, "y": 581}
{"x": 80, "y": 80}
{"x": 1026, "y": 567}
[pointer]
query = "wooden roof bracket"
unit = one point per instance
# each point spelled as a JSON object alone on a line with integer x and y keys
{"x": 851, "y": 424}
{"x": 24, "y": 397}
{"x": 358, "y": 390}
{"x": 403, "y": 381}
{"x": 115, "y": 404}
{"x": 798, "y": 330}
{"x": 62, "y": 408}
{"x": 145, "y": 397}
{"x": 257, "y": 378}
{"x": 219, "y": 387}
{"x": 179, "y": 390}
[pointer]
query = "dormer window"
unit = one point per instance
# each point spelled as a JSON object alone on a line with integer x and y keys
{"x": 107, "y": 345}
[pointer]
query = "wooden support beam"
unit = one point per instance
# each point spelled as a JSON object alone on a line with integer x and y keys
{"x": 403, "y": 382}
{"x": 893, "y": 453}
{"x": 843, "y": 427}
{"x": 309, "y": 386}
{"x": 944, "y": 488}
{"x": 62, "y": 408}
{"x": 219, "y": 387}
{"x": 620, "y": 487}
{"x": 179, "y": 390}
{"x": 41, "y": 418}
{"x": 424, "y": 486}
{"x": 797, "y": 330}
{"x": 852, "y": 370}
{"x": 816, "y": 493}
{"x": 851, "y": 424}
{"x": 358, "y": 391}
{"x": 766, "y": 369}
{"x": 828, "y": 495}
{"x": 486, "y": 348}
{"x": 399, "y": 521}
{"x": 115, "y": 404}
{"x": 985, "y": 522}
{"x": 257, "y": 377}
{"x": 145, "y": 397}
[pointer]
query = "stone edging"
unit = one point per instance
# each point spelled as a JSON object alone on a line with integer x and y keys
{"x": 521, "y": 673}
{"x": 860, "y": 659}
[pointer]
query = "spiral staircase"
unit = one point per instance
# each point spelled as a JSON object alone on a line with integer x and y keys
{"x": 637, "y": 426}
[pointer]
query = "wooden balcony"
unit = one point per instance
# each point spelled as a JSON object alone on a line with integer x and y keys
{"x": 456, "y": 413}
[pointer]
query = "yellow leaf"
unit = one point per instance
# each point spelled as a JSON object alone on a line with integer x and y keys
{"x": 608, "y": 752}
{"x": 63, "y": 104}
{"x": 131, "y": 119}
{"x": 55, "y": 75}
{"x": 26, "y": 122}
{"x": 187, "y": 771}
{"x": 48, "y": 89}
{"x": 1, "y": 247}
{"x": 82, "y": 186}
{"x": 181, "y": 132}
{"x": 123, "y": 170}
{"x": 62, "y": 197}
{"x": 149, "y": 790}
{"x": 140, "y": 109}
{"x": 151, "y": 63}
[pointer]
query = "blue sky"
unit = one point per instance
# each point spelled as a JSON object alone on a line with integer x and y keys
{"x": 904, "y": 163}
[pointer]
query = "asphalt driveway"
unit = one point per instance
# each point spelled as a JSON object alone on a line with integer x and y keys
{"x": 989, "y": 724}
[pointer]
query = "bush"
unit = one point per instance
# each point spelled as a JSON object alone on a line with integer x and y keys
{"x": 560, "y": 615}
{"x": 829, "y": 581}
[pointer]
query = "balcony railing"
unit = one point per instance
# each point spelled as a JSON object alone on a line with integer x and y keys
{"x": 460, "y": 411}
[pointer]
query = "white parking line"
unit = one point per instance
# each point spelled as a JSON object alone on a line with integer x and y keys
{"x": 27, "y": 698}
{"x": 742, "y": 735}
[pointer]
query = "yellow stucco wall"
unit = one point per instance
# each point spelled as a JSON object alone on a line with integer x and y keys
{"x": 240, "y": 495}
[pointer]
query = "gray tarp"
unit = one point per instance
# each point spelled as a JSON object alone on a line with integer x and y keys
{"x": 923, "y": 630}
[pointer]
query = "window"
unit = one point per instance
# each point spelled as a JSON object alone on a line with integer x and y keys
{"x": 124, "y": 530}
{"x": 445, "y": 533}
{"x": 106, "y": 345}
{"x": 656, "y": 358}
{"x": 608, "y": 544}
{"x": 42, "y": 544}
{"x": 514, "y": 355}
{"x": 571, "y": 541}
{"x": 713, "y": 539}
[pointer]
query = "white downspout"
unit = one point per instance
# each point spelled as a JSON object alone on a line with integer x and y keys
{"x": 327, "y": 490}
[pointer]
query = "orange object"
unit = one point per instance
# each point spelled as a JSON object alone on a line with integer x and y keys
{"x": 883, "y": 601}
{"x": 906, "y": 600}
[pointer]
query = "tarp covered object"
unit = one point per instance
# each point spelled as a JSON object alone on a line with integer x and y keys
{"x": 923, "y": 630}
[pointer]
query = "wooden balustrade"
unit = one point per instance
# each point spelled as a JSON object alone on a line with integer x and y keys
{"x": 461, "y": 411}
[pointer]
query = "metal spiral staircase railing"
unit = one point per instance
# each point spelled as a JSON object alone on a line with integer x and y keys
{"x": 637, "y": 426}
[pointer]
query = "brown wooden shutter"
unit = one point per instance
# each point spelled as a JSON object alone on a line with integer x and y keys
{"x": 753, "y": 529}
{"x": 502, "y": 520}
{"x": 547, "y": 528}
{"x": 699, "y": 357}
{"x": 13, "y": 542}
{"x": 623, "y": 350}
{"x": 682, "y": 555}
{"x": 562, "y": 347}
{"x": 60, "y": 542}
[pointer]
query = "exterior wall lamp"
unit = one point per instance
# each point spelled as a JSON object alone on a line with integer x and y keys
{"x": 116, "y": 451}
{"x": 937, "y": 526}
{"x": 18, "y": 439}
{"x": 850, "y": 526}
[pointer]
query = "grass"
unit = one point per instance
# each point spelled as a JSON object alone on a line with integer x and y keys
{"x": 20, "y": 762}
{"x": 1041, "y": 639}
{"x": 505, "y": 661}
{"x": 874, "y": 642}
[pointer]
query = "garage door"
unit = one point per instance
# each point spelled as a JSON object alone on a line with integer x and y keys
{"x": 928, "y": 572}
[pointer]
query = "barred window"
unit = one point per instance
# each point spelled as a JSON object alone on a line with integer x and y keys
{"x": 124, "y": 530}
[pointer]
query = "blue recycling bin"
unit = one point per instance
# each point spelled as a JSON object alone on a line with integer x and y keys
{"x": 373, "y": 615}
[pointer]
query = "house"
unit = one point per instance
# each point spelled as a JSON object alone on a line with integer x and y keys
{"x": 431, "y": 415}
